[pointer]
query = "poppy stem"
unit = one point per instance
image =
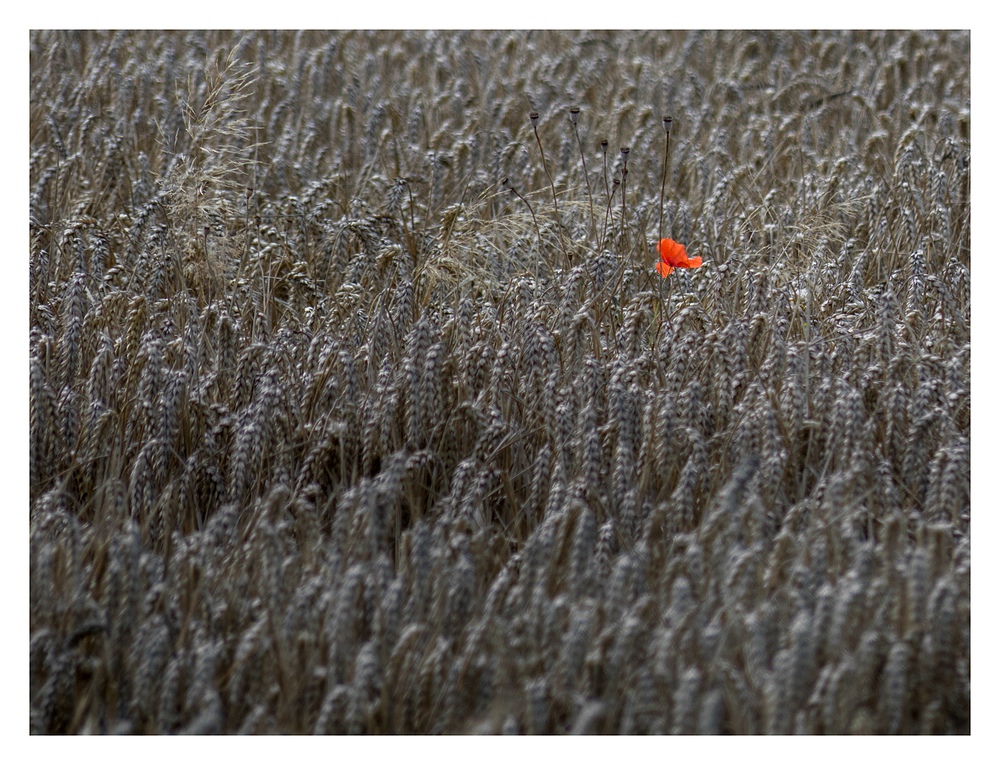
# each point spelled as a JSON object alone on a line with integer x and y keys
{"x": 625, "y": 153}
{"x": 607, "y": 213}
{"x": 607, "y": 190}
{"x": 667, "y": 121}
{"x": 534, "y": 126}
{"x": 505, "y": 183}
{"x": 574, "y": 115}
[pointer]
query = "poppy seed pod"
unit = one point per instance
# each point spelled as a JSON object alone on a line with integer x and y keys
{"x": 506, "y": 185}
{"x": 624, "y": 151}
{"x": 667, "y": 122}
{"x": 604, "y": 144}
{"x": 534, "y": 119}
{"x": 574, "y": 114}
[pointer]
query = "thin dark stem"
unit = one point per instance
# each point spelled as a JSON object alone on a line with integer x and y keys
{"x": 555, "y": 201}
{"x": 625, "y": 153}
{"x": 607, "y": 214}
{"x": 533, "y": 218}
{"x": 607, "y": 188}
{"x": 590, "y": 197}
{"x": 663, "y": 182}
{"x": 507, "y": 185}
{"x": 624, "y": 228}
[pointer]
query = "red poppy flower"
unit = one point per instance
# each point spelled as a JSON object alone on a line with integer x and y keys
{"x": 673, "y": 255}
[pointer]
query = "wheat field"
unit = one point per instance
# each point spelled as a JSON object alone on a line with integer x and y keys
{"x": 358, "y": 406}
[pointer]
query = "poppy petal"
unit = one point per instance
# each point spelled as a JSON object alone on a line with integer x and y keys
{"x": 672, "y": 252}
{"x": 663, "y": 269}
{"x": 694, "y": 262}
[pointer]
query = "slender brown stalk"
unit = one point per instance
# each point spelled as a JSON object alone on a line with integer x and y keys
{"x": 607, "y": 188}
{"x": 574, "y": 116}
{"x": 534, "y": 126}
{"x": 667, "y": 121}
{"x": 604, "y": 152}
{"x": 625, "y": 152}
{"x": 607, "y": 213}
{"x": 506, "y": 184}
